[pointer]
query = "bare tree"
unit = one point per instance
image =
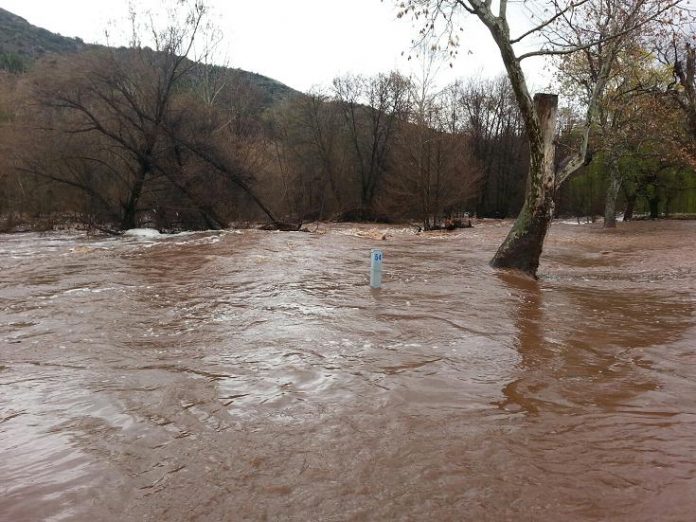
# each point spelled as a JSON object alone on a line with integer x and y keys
{"x": 490, "y": 115}
{"x": 684, "y": 68}
{"x": 124, "y": 96}
{"x": 308, "y": 132}
{"x": 372, "y": 109}
{"x": 167, "y": 126}
{"x": 560, "y": 28}
{"x": 435, "y": 174}
{"x": 434, "y": 170}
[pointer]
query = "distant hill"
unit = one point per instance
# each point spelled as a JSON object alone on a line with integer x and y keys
{"x": 275, "y": 90}
{"x": 21, "y": 43}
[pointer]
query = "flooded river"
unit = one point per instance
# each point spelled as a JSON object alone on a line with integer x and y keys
{"x": 255, "y": 375}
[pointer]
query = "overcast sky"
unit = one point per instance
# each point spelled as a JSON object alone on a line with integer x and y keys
{"x": 302, "y": 43}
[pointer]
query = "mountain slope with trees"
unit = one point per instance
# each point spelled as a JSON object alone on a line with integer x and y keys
{"x": 22, "y": 43}
{"x": 125, "y": 137}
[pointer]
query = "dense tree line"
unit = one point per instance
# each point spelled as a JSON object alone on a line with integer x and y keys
{"x": 138, "y": 136}
{"x": 128, "y": 137}
{"x": 121, "y": 138}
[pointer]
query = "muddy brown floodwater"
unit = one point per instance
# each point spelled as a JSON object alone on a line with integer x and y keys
{"x": 254, "y": 375}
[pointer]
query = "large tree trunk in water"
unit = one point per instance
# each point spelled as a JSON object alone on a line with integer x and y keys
{"x": 522, "y": 248}
{"x": 612, "y": 194}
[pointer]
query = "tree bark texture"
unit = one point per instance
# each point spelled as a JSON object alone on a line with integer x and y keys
{"x": 612, "y": 194}
{"x": 131, "y": 207}
{"x": 630, "y": 205}
{"x": 522, "y": 248}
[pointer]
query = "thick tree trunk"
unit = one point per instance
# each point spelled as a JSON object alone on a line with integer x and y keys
{"x": 630, "y": 206}
{"x": 610, "y": 202}
{"x": 522, "y": 248}
{"x": 128, "y": 220}
{"x": 654, "y": 203}
{"x": 131, "y": 207}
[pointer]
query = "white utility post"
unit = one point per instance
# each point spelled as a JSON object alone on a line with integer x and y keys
{"x": 376, "y": 268}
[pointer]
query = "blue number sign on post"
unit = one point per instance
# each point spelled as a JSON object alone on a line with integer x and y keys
{"x": 376, "y": 268}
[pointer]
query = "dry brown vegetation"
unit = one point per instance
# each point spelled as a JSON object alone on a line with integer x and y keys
{"x": 120, "y": 138}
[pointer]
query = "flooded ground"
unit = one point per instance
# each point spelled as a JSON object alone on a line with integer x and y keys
{"x": 254, "y": 375}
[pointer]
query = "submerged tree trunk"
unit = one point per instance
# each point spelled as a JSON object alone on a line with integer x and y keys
{"x": 612, "y": 194}
{"x": 522, "y": 248}
{"x": 130, "y": 208}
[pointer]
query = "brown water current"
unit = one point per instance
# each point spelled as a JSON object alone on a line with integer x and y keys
{"x": 255, "y": 375}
